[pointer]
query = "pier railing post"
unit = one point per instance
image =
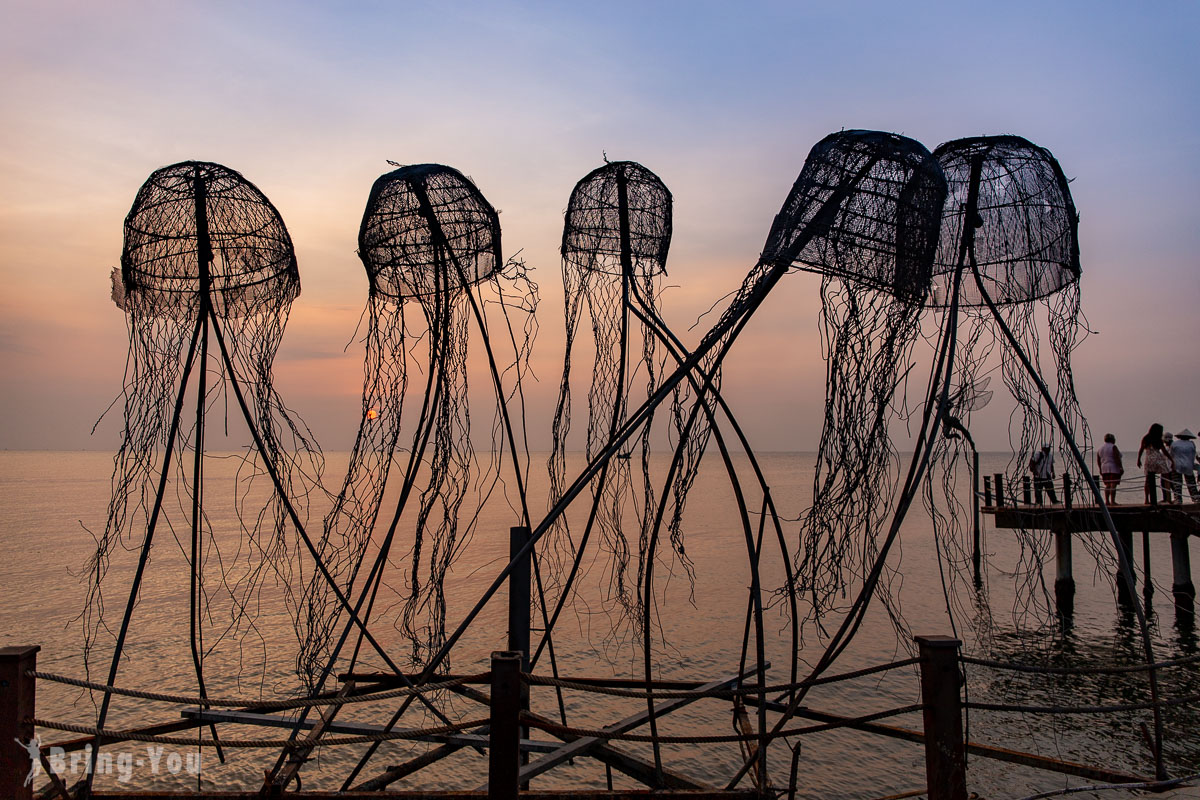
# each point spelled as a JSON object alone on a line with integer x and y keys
{"x": 504, "y": 747}
{"x": 17, "y": 692}
{"x": 999, "y": 490}
{"x": 941, "y": 693}
{"x": 1025, "y": 493}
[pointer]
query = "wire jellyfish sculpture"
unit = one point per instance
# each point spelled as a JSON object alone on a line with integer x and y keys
{"x": 864, "y": 210}
{"x": 430, "y": 242}
{"x": 1009, "y": 243}
{"x": 207, "y": 278}
{"x": 873, "y": 291}
{"x": 616, "y": 236}
{"x": 1010, "y": 210}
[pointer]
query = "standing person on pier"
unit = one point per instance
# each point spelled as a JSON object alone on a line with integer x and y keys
{"x": 1158, "y": 458}
{"x": 1171, "y": 493}
{"x": 1042, "y": 467}
{"x": 1108, "y": 458}
{"x": 1183, "y": 453}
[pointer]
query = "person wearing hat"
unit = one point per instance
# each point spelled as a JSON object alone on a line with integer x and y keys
{"x": 1042, "y": 467}
{"x": 1183, "y": 453}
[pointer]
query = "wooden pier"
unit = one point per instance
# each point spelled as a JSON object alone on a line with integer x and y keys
{"x": 1179, "y": 522}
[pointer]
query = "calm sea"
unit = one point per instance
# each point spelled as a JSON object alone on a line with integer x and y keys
{"x": 50, "y": 502}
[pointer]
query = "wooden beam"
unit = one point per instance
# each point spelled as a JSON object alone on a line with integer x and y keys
{"x": 583, "y": 745}
{"x": 1087, "y": 519}
{"x": 974, "y": 748}
{"x": 709, "y": 794}
{"x": 389, "y": 679}
{"x": 354, "y": 729}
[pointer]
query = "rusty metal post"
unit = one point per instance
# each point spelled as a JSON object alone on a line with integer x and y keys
{"x": 941, "y": 692}
{"x": 504, "y": 748}
{"x": 17, "y": 692}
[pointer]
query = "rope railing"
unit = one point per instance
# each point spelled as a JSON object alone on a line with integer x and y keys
{"x": 192, "y": 741}
{"x": 689, "y": 694}
{"x": 1165, "y": 702}
{"x": 610, "y": 735}
{"x": 1106, "y": 669}
{"x": 1131, "y": 486}
{"x": 257, "y": 705}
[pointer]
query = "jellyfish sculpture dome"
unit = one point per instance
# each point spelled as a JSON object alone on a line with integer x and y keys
{"x": 200, "y": 230}
{"x": 430, "y": 243}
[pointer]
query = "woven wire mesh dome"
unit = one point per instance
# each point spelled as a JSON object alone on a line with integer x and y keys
{"x": 592, "y": 234}
{"x": 884, "y": 232}
{"x": 197, "y": 212}
{"x": 1026, "y": 237}
{"x": 427, "y": 228}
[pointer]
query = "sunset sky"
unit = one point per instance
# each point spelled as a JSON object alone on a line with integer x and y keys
{"x": 721, "y": 100}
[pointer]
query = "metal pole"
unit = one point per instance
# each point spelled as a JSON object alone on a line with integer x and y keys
{"x": 945, "y": 752}
{"x": 975, "y": 554}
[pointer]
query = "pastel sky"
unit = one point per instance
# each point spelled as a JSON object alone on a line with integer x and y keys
{"x": 722, "y": 100}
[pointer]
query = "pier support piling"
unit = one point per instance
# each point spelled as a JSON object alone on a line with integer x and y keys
{"x": 941, "y": 693}
{"x": 1064, "y": 575}
{"x": 1125, "y": 559}
{"x": 1181, "y": 568}
{"x": 1147, "y": 578}
{"x": 17, "y": 692}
